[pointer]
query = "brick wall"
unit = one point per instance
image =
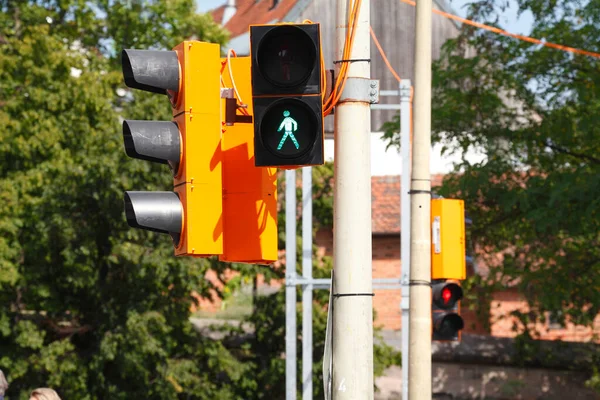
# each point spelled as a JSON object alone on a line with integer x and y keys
{"x": 504, "y": 325}
{"x": 386, "y": 264}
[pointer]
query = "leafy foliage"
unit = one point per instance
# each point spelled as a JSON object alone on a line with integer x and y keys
{"x": 91, "y": 307}
{"x": 533, "y": 112}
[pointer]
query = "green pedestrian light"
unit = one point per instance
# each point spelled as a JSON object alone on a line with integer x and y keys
{"x": 290, "y": 126}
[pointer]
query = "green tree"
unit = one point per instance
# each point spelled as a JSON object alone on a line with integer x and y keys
{"x": 91, "y": 307}
{"x": 533, "y": 111}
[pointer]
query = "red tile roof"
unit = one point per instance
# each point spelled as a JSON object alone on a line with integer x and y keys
{"x": 385, "y": 203}
{"x": 217, "y": 14}
{"x": 253, "y": 12}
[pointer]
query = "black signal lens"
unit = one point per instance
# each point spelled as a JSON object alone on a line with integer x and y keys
{"x": 286, "y": 56}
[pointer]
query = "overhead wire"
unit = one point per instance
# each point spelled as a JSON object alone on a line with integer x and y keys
{"x": 383, "y": 55}
{"x": 513, "y": 35}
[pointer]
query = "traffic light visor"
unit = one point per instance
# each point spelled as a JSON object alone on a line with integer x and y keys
{"x": 155, "y": 71}
{"x": 288, "y": 128}
{"x": 157, "y": 141}
{"x": 286, "y": 56}
{"x": 155, "y": 211}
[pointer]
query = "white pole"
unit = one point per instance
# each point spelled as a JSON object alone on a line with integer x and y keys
{"x": 353, "y": 301}
{"x": 290, "y": 288}
{"x": 420, "y": 253}
{"x": 307, "y": 295}
{"x": 405, "y": 225}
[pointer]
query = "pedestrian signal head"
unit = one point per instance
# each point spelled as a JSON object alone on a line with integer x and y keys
{"x": 286, "y": 94}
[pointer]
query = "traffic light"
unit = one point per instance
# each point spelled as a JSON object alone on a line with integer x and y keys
{"x": 448, "y": 267}
{"x": 287, "y": 95}
{"x": 190, "y": 144}
{"x": 445, "y": 310}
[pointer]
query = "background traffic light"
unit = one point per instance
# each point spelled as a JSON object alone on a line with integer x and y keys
{"x": 190, "y": 145}
{"x": 287, "y": 95}
{"x": 448, "y": 267}
{"x": 445, "y": 310}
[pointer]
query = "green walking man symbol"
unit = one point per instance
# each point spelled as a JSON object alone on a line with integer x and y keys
{"x": 289, "y": 125}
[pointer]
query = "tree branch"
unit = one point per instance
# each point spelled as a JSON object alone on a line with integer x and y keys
{"x": 573, "y": 154}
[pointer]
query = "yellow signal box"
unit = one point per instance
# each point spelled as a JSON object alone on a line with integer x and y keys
{"x": 448, "y": 239}
{"x": 249, "y": 192}
{"x": 198, "y": 181}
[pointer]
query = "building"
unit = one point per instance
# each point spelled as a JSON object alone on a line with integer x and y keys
{"x": 392, "y": 22}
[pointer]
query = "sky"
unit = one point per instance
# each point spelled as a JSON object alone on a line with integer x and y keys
{"x": 205, "y": 5}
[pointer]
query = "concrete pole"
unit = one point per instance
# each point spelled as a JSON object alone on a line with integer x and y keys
{"x": 405, "y": 134}
{"x": 353, "y": 301}
{"x": 307, "y": 295}
{"x": 290, "y": 288}
{"x": 419, "y": 383}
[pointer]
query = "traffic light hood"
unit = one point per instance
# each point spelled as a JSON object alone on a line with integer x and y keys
{"x": 156, "y": 141}
{"x": 155, "y": 71}
{"x": 155, "y": 211}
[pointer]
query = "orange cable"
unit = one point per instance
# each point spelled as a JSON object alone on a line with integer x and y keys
{"x": 333, "y": 98}
{"x": 344, "y": 77}
{"x": 348, "y": 44}
{"x": 385, "y": 59}
{"x": 514, "y": 35}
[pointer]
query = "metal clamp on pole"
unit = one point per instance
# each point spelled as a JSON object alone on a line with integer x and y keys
{"x": 231, "y": 106}
{"x": 361, "y": 89}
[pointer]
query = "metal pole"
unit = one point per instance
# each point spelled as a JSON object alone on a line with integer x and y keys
{"x": 290, "y": 288}
{"x": 353, "y": 301}
{"x": 420, "y": 261}
{"x": 307, "y": 295}
{"x": 405, "y": 225}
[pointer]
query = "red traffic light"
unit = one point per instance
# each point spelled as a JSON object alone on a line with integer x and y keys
{"x": 445, "y": 295}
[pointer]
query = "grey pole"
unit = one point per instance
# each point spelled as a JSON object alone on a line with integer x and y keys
{"x": 352, "y": 325}
{"x": 290, "y": 285}
{"x": 420, "y": 236}
{"x": 307, "y": 296}
{"x": 405, "y": 225}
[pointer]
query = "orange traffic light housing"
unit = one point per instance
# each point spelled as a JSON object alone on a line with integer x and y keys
{"x": 197, "y": 112}
{"x": 448, "y": 239}
{"x": 249, "y": 192}
{"x": 191, "y": 145}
